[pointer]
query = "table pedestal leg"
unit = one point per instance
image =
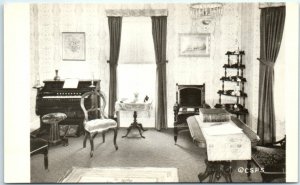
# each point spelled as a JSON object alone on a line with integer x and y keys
{"x": 141, "y": 126}
{"x": 54, "y": 138}
{"x": 215, "y": 169}
{"x": 135, "y": 124}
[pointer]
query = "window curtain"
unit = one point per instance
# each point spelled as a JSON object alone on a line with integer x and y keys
{"x": 115, "y": 27}
{"x": 271, "y": 31}
{"x": 159, "y": 32}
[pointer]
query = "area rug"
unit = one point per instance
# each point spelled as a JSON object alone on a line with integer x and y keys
{"x": 120, "y": 175}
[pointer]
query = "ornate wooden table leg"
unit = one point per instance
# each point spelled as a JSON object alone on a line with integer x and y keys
{"x": 215, "y": 169}
{"x": 135, "y": 124}
{"x": 139, "y": 129}
{"x": 211, "y": 179}
{"x": 141, "y": 126}
{"x": 226, "y": 170}
{"x": 206, "y": 173}
{"x": 128, "y": 130}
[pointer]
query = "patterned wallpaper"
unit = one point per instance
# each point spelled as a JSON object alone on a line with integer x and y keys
{"x": 46, "y": 41}
{"x": 250, "y": 38}
{"x": 198, "y": 70}
{"x": 57, "y": 18}
{"x": 227, "y": 33}
{"x": 34, "y": 62}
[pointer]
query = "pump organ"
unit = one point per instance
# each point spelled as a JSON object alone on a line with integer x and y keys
{"x": 52, "y": 97}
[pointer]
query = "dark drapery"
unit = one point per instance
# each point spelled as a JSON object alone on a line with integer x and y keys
{"x": 159, "y": 32}
{"x": 115, "y": 27}
{"x": 271, "y": 31}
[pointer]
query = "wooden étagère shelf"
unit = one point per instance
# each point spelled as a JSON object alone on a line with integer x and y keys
{"x": 229, "y": 93}
{"x": 234, "y": 62}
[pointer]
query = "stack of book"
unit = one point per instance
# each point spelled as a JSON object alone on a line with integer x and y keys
{"x": 214, "y": 115}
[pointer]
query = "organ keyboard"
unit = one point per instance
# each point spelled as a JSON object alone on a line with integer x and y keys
{"x": 53, "y": 97}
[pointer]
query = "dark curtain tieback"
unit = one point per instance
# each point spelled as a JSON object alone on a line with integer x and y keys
{"x": 112, "y": 64}
{"x": 162, "y": 62}
{"x": 265, "y": 62}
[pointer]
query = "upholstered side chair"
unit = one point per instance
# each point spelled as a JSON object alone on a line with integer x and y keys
{"x": 271, "y": 161}
{"x": 95, "y": 121}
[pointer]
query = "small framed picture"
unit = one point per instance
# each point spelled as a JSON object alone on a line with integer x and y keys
{"x": 73, "y": 46}
{"x": 194, "y": 44}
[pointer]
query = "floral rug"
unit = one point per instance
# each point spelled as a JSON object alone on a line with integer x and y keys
{"x": 120, "y": 175}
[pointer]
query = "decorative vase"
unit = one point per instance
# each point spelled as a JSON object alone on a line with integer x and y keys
{"x": 136, "y": 96}
{"x": 235, "y": 106}
{"x": 56, "y": 78}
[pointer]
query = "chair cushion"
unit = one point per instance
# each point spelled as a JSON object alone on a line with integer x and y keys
{"x": 98, "y": 125}
{"x": 271, "y": 159}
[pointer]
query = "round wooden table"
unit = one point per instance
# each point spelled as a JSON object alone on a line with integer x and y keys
{"x": 134, "y": 106}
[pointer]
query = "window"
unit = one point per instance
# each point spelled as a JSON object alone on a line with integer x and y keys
{"x": 136, "y": 69}
{"x": 136, "y": 41}
{"x": 136, "y": 78}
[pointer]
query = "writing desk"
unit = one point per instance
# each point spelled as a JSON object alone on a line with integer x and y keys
{"x": 215, "y": 169}
{"x": 134, "y": 106}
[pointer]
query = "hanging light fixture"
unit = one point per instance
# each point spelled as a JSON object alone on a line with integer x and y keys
{"x": 206, "y": 11}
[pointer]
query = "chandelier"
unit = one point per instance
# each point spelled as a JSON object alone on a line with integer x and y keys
{"x": 205, "y": 10}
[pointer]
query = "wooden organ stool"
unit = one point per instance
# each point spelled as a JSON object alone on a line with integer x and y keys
{"x": 53, "y": 120}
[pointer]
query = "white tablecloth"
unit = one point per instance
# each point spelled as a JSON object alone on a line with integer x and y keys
{"x": 225, "y": 146}
{"x": 134, "y": 106}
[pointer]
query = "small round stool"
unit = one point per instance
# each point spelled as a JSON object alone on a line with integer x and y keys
{"x": 53, "y": 119}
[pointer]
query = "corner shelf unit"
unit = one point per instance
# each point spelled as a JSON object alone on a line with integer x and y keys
{"x": 237, "y": 107}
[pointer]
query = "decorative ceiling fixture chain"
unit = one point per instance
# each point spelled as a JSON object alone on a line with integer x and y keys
{"x": 206, "y": 10}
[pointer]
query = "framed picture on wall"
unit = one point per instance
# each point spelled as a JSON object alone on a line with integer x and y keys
{"x": 194, "y": 44}
{"x": 73, "y": 46}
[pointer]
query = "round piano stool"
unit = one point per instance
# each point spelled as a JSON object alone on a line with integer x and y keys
{"x": 53, "y": 119}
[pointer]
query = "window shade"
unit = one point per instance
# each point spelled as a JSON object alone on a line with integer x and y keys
{"x": 136, "y": 41}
